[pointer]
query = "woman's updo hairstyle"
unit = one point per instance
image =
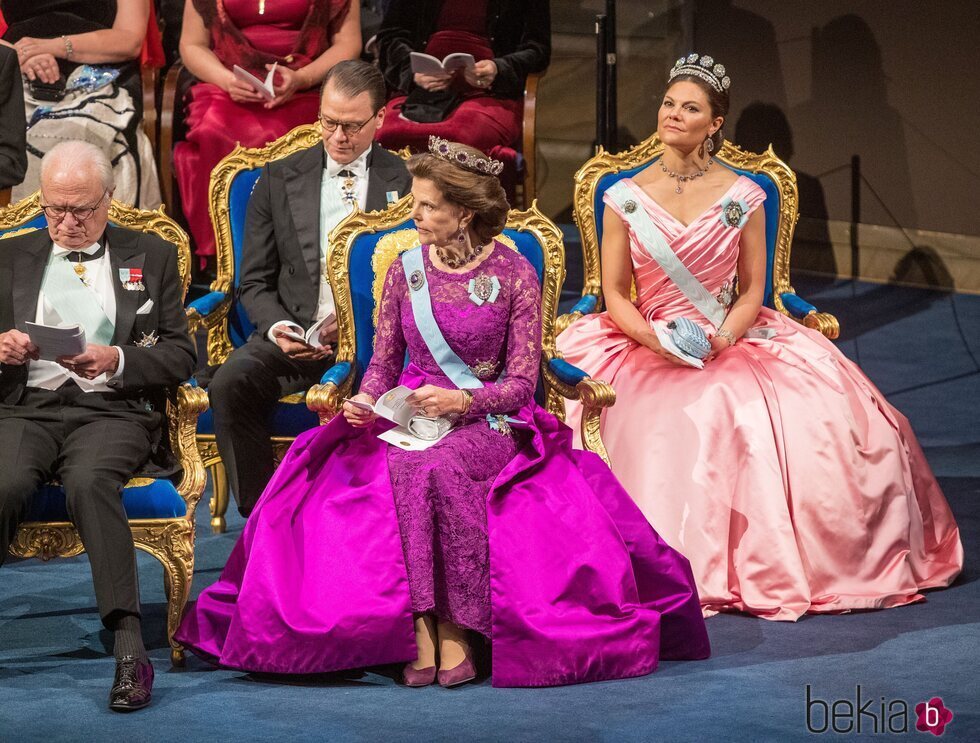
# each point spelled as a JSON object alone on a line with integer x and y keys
{"x": 711, "y": 78}
{"x": 462, "y": 184}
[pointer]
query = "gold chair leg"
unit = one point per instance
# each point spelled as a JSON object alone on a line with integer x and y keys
{"x": 178, "y": 570}
{"x": 219, "y": 497}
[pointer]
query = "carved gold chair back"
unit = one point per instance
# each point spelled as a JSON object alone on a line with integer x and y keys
{"x": 365, "y": 245}
{"x": 781, "y": 213}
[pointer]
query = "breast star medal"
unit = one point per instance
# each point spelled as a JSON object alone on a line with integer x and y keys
{"x": 148, "y": 340}
{"x": 483, "y": 289}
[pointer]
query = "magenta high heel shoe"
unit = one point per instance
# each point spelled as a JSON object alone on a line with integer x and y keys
{"x": 418, "y": 676}
{"x": 465, "y": 671}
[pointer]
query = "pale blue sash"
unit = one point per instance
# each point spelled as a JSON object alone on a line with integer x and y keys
{"x": 75, "y": 302}
{"x": 418, "y": 288}
{"x": 656, "y": 246}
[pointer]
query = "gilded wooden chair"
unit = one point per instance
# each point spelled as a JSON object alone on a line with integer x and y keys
{"x": 781, "y": 209}
{"x": 227, "y": 324}
{"x": 161, "y": 513}
{"x": 364, "y": 246}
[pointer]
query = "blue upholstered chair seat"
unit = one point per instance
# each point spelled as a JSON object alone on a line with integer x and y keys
{"x": 289, "y": 419}
{"x": 158, "y": 500}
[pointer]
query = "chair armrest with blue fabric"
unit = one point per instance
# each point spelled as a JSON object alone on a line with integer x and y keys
{"x": 572, "y": 383}
{"x": 801, "y": 310}
{"x": 325, "y": 398}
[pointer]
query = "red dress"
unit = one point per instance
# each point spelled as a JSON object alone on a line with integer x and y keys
{"x": 290, "y": 32}
{"x": 482, "y": 121}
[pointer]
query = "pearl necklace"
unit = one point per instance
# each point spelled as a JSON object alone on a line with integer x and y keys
{"x": 682, "y": 179}
{"x": 455, "y": 263}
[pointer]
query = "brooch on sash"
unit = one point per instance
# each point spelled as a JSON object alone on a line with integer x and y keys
{"x": 726, "y": 295}
{"x": 416, "y": 281}
{"x": 148, "y": 340}
{"x": 629, "y": 206}
{"x": 484, "y": 369}
{"x": 132, "y": 279}
{"x": 734, "y": 213}
{"x": 484, "y": 289}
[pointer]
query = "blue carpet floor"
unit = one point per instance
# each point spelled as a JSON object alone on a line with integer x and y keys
{"x": 921, "y": 348}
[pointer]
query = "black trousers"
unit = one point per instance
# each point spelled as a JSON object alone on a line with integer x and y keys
{"x": 93, "y": 443}
{"x": 243, "y": 392}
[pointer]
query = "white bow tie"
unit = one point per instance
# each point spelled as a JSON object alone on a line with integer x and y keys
{"x": 57, "y": 251}
{"x": 358, "y": 168}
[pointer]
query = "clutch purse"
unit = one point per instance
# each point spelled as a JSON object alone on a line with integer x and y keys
{"x": 689, "y": 337}
{"x": 429, "y": 429}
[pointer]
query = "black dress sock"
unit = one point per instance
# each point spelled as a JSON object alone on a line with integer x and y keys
{"x": 129, "y": 638}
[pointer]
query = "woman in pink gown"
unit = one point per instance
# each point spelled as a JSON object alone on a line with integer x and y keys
{"x": 778, "y": 469}
{"x": 304, "y": 37}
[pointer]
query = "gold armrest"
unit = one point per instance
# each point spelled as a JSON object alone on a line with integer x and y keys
{"x": 593, "y": 394}
{"x": 823, "y": 322}
{"x": 191, "y": 402}
{"x": 563, "y": 321}
{"x": 325, "y": 399}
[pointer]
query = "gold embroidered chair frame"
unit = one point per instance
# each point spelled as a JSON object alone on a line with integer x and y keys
{"x": 169, "y": 540}
{"x": 326, "y": 399}
{"x": 219, "y": 342}
{"x": 605, "y": 163}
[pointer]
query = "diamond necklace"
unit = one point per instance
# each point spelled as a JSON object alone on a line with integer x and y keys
{"x": 682, "y": 179}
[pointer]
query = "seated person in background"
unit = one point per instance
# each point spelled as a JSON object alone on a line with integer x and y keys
{"x": 93, "y": 420}
{"x": 480, "y": 107}
{"x": 304, "y": 38}
{"x": 57, "y": 43}
{"x": 13, "y": 148}
{"x": 297, "y": 201}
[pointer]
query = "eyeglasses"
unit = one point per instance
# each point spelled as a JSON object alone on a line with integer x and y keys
{"x": 80, "y": 213}
{"x": 350, "y": 128}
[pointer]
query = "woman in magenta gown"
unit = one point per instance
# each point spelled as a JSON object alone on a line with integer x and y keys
{"x": 304, "y": 37}
{"x": 361, "y": 553}
{"x": 779, "y": 470}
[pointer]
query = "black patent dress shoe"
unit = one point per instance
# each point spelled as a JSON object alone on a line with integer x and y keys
{"x": 133, "y": 685}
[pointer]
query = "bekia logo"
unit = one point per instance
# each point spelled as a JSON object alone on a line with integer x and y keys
{"x": 865, "y": 714}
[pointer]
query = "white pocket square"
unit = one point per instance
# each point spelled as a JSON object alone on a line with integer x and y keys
{"x": 145, "y": 307}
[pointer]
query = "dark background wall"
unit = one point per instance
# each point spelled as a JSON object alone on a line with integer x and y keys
{"x": 897, "y": 83}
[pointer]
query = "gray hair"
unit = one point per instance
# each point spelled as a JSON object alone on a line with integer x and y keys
{"x": 76, "y": 155}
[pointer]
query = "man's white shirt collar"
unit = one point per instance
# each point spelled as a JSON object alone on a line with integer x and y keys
{"x": 57, "y": 251}
{"x": 358, "y": 167}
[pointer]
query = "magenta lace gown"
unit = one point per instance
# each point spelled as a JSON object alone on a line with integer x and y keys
{"x": 518, "y": 537}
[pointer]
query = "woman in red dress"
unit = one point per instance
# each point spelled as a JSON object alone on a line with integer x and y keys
{"x": 482, "y": 106}
{"x": 305, "y": 37}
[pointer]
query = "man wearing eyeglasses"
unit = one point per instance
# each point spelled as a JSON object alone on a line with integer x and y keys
{"x": 296, "y": 202}
{"x": 92, "y": 420}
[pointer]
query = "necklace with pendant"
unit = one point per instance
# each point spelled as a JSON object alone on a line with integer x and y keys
{"x": 681, "y": 178}
{"x": 455, "y": 263}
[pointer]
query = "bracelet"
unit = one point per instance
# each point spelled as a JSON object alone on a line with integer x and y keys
{"x": 69, "y": 47}
{"x": 727, "y": 335}
{"x": 467, "y": 401}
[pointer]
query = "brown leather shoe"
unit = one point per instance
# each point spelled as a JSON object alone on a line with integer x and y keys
{"x": 133, "y": 685}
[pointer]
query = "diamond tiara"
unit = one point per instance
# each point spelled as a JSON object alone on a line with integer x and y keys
{"x": 703, "y": 67}
{"x": 452, "y": 152}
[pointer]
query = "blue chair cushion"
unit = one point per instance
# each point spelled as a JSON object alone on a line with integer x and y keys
{"x": 239, "y": 326}
{"x": 158, "y": 500}
{"x": 586, "y": 304}
{"x": 208, "y": 303}
{"x": 797, "y": 306}
{"x": 37, "y": 222}
{"x": 288, "y": 419}
{"x": 566, "y": 373}
{"x": 772, "y": 206}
